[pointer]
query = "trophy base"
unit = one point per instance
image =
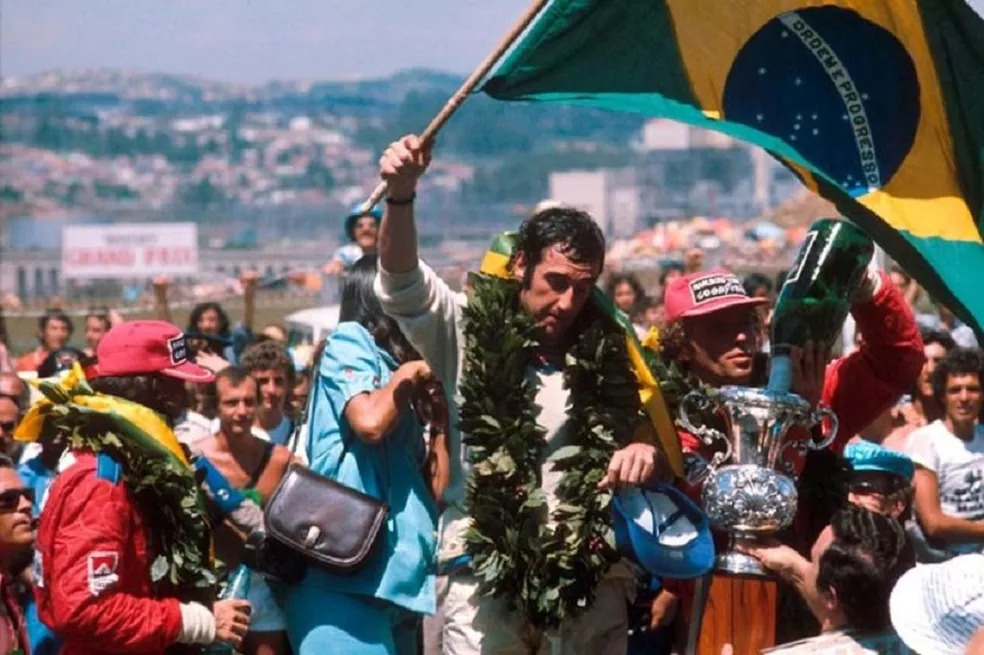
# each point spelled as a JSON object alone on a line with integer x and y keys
{"x": 736, "y": 610}
{"x": 736, "y": 563}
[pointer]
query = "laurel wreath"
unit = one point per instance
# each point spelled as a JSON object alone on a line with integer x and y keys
{"x": 165, "y": 491}
{"x": 546, "y": 570}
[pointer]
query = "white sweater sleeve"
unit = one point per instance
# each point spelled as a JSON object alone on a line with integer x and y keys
{"x": 429, "y": 313}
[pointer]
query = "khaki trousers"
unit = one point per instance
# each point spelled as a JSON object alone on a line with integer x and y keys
{"x": 476, "y": 625}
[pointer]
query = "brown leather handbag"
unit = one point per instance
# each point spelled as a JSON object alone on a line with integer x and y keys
{"x": 330, "y": 524}
{"x": 318, "y": 518}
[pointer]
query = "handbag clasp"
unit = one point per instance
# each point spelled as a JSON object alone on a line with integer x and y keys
{"x": 311, "y": 537}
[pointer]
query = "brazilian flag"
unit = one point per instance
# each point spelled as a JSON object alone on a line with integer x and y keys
{"x": 877, "y": 105}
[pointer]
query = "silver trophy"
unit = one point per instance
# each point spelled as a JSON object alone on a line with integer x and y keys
{"x": 749, "y": 483}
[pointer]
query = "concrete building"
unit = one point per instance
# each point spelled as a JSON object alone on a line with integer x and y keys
{"x": 611, "y": 196}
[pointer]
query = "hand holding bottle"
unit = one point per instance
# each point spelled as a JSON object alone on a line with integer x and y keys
{"x": 809, "y": 369}
{"x": 231, "y": 621}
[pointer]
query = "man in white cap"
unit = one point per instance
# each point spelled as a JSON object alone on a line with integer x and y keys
{"x": 939, "y": 608}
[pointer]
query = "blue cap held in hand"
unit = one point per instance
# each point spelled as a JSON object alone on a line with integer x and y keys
{"x": 663, "y": 531}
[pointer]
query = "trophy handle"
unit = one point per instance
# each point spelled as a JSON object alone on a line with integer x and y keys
{"x": 816, "y": 418}
{"x": 701, "y": 402}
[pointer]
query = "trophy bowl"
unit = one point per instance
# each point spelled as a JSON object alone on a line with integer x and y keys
{"x": 749, "y": 485}
{"x": 746, "y": 500}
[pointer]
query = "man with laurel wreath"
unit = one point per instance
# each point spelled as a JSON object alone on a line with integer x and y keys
{"x": 547, "y": 410}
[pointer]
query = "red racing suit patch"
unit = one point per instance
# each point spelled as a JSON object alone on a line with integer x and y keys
{"x": 102, "y": 566}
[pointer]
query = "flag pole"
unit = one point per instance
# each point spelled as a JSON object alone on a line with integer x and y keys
{"x": 456, "y": 100}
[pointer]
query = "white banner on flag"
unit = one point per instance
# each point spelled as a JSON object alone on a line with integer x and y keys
{"x": 129, "y": 250}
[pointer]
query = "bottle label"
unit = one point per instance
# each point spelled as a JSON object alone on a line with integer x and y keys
{"x": 804, "y": 253}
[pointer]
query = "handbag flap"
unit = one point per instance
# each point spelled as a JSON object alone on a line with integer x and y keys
{"x": 333, "y": 524}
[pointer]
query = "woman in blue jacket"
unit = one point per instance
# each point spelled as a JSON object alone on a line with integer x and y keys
{"x": 363, "y": 431}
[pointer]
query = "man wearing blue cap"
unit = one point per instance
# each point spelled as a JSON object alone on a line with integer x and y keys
{"x": 880, "y": 480}
{"x": 361, "y": 228}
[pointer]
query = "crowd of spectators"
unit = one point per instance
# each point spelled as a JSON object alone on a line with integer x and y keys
{"x": 895, "y": 565}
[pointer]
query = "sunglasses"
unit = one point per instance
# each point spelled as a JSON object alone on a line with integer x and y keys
{"x": 882, "y": 487}
{"x": 8, "y": 426}
{"x": 10, "y": 498}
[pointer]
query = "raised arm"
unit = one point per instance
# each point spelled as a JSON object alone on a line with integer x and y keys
{"x": 402, "y": 163}
{"x": 425, "y": 308}
{"x": 249, "y": 280}
{"x": 161, "y": 309}
{"x": 865, "y": 383}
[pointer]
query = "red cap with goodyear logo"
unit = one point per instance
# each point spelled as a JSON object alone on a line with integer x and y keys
{"x": 703, "y": 293}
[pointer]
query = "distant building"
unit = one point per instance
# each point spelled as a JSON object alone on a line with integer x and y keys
{"x": 611, "y": 196}
{"x": 666, "y": 134}
{"x": 700, "y": 138}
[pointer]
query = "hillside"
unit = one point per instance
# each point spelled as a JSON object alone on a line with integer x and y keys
{"x": 376, "y": 109}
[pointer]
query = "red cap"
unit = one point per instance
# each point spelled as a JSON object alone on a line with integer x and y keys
{"x": 705, "y": 292}
{"x": 143, "y": 347}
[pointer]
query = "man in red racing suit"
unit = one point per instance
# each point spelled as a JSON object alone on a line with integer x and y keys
{"x": 100, "y": 546}
{"x": 94, "y": 555}
{"x": 717, "y": 342}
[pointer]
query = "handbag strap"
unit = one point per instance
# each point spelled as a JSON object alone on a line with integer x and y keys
{"x": 264, "y": 460}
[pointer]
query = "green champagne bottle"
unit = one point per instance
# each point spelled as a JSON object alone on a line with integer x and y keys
{"x": 816, "y": 295}
{"x": 237, "y": 587}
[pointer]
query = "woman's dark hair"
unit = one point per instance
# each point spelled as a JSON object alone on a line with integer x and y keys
{"x": 360, "y": 305}
{"x": 196, "y": 315}
{"x": 618, "y": 279}
{"x": 165, "y": 395}
{"x": 572, "y": 231}
{"x": 958, "y": 361}
{"x": 862, "y": 565}
{"x": 823, "y": 487}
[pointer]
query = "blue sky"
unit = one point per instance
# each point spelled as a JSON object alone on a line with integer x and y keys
{"x": 251, "y": 40}
{"x": 254, "y": 40}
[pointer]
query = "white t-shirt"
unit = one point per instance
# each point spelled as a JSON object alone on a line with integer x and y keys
{"x": 959, "y": 469}
{"x": 348, "y": 254}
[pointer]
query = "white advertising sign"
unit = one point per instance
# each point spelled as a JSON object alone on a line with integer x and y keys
{"x": 129, "y": 250}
